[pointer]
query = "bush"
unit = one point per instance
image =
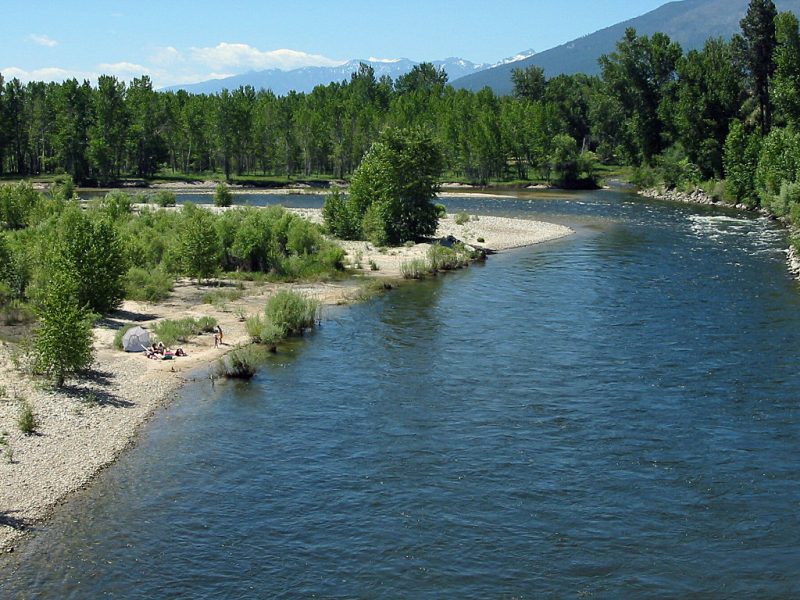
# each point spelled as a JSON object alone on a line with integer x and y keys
{"x": 165, "y": 198}
{"x": 644, "y": 177}
{"x": 221, "y": 297}
{"x": 171, "y": 331}
{"x": 117, "y": 204}
{"x": 26, "y": 421}
{"x": 291, "y": 311}
{"x": 223, "y": 196}
{"x": 241, "y": 363}
{"x": 145, "y": 285}
{"x": 441, "y": 258}
{"x": 462, "y": 218}
{"x": 339, "y": 218}
{"x": 17, "y": 201}
{"x": 264, "y": 331}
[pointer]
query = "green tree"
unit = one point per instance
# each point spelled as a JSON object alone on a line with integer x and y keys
{"x": 786, "y": 81}
{"x": 741, "y": 159}
{"x": 759, "y": 43}
{"x": 423, "y": 77}
{"x": 529, "y": 83}
{"x": 63, "y": 338}
{"x": 91, "y": 251}
{"x": 199, "y": 245}
{"x": 640, "y": 74}
{"x": 710, "y": 95}
{"x": 393, "y": 188}
{"x": 108, "y": 131}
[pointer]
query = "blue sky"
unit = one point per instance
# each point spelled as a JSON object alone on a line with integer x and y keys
{"x": 179, "y": 41}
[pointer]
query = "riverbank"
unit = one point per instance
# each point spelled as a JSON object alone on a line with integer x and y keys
{"x": 86, "y": 426}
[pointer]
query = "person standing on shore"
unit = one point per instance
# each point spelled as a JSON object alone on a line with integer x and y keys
{"x": 217, "y": 336}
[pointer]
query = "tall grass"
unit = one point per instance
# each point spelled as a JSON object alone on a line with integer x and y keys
{"x": 416, "y": 268}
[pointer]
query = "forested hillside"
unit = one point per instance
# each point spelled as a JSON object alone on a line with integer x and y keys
{"x": 689, "y": 22}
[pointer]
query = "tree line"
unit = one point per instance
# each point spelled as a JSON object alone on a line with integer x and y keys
{"x": 706, "y": 114}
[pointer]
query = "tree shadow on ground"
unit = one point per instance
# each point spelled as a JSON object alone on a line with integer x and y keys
{"x": 119, "y": 318}
{"x": 8, "y": 520}
{"x": 93, "y": 389}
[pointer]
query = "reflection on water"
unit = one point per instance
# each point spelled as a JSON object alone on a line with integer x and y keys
{"x": 613, "y": 414}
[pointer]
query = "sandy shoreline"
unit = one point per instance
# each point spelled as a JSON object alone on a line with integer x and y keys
{"x": 87, "y": 426}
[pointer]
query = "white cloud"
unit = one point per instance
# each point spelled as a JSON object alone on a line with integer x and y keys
{"x": 384, "y": 60}
{"x": 166, "y": 56}
{"x": 242, "y": 56}
{"x": 124, "y": 70}
{"x": 42, "y": 40}
{"x": 46, "y": 74}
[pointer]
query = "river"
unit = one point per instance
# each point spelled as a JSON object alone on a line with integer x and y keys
{"x": 614, "y": 414}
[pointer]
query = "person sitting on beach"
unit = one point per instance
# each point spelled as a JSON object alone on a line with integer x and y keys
{"x": 180, "y": 352}
{"x": 160, "y": 349}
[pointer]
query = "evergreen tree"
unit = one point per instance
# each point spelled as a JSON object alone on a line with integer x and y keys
{"x": 758, "y": 34}
{"x": 786, "y": 82}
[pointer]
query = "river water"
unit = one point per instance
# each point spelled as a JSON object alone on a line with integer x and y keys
{"x": 614, "y": 414}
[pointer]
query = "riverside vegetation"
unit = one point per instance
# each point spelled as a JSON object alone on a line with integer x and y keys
{"x": 65, "y": 265}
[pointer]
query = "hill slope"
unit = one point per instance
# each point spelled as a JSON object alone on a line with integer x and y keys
{"x": 689, "y": 22}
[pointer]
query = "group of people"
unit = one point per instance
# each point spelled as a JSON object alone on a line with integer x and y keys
{"x": 161, "y": 352}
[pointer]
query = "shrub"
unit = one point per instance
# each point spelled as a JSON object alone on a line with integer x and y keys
{"x": 291, "y": 311}
{"x": 223, "y": 196}
{"x": 241, "y": 363}
{"x": 205, "y": 324}
{"x": 117, "y": 204}
{"x": 644, "y": 177}
{"x": 441, "y": 258}
{"x": 264, "y": 331}
{"x": 462, "y": 218}
{"x": 165, "y": 198}
{"x": 340, "y": 218}
{"x": 145, "y": 285}
{"x": 26, "y": 421}
{"x": 171, "y": 331}
{"x": 481, "y": 240}
{"x": 221, "y": 297}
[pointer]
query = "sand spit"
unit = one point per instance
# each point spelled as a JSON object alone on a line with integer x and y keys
{"x": 86, "y": 426}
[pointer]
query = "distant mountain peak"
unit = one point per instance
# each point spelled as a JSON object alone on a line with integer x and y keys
{"x": 515, "y": 58}
{"x": 307, "y": 78}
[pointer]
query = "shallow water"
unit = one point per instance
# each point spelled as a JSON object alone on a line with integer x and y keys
{"x": 613, "y": 414}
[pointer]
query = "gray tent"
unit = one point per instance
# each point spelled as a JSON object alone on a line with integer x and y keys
{"x": 136, "y": 339}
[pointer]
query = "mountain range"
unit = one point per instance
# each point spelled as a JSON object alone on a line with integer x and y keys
{"x": 307, "y": 78}
{"x": 689, "y": 22}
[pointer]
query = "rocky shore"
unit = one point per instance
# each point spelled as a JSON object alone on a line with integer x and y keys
{"x": 84, "y": 427}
